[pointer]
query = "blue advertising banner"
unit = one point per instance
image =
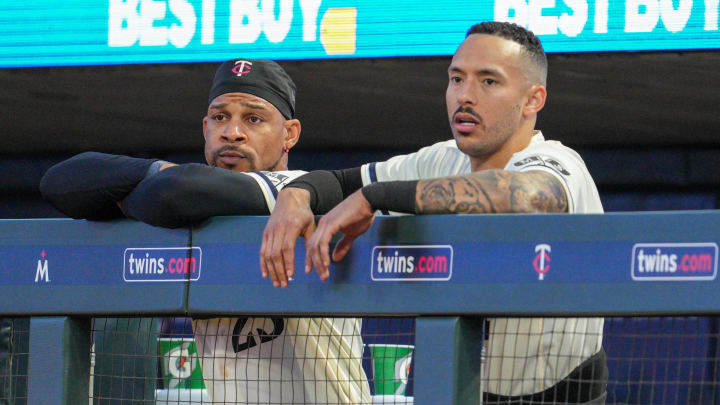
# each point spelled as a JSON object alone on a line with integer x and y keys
{"x": 91, "y": 32}
{"x": 552, "y": 263}
{"x": 62, "y": 266}
{"x": 484, "y": 263}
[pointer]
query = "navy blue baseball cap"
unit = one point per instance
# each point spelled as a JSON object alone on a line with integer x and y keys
{"x": 262, "y": 78}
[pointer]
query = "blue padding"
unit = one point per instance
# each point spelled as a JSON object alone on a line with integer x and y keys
{"x": 66, "y": 266}
{"x": 491, "y": 264}
{"x": 591, "y": 267}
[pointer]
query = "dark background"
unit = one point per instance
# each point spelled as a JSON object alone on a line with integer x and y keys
{"x": 647, "y": 124}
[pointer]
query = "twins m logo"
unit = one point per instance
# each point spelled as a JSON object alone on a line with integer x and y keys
{"x": 42, "y": 274}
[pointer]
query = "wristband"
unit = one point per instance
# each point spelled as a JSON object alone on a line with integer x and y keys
{"x": 398, "y": 196}
{"x": 324, "y": 188}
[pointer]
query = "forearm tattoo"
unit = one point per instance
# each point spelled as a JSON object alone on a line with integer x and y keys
{"x": 491, "y": 191}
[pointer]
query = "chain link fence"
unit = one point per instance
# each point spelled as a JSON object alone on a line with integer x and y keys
{"x": 267, "y": 360}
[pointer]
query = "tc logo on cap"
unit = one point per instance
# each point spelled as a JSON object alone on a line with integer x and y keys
{"x": 242, "y": 67}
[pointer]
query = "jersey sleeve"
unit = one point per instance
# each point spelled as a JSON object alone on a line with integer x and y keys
{"x": 271, "y": 183}
{"x": 566, "y": 166}
{"x": 438, "y": 160}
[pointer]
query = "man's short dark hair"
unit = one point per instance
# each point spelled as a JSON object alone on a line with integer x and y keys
{"x": 513, "y": 32}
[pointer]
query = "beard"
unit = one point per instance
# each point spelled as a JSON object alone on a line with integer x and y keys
{"x": 490, "y": 138}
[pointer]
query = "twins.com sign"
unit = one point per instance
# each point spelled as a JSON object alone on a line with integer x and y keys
{"x": 412, "y": 263}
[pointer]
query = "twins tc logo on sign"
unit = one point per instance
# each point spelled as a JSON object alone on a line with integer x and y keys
{"x": 542, "y": 260}
{"x": 411, "y": 263}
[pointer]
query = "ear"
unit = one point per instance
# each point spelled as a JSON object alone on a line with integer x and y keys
{"x": 292, "y": 132}
{"x": 535, "y": 102}
{"x": 205, "y": 121}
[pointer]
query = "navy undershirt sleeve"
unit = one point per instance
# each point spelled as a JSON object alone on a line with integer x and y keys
{"x": 187, "y": 194}
{"x": 89, "y": 185}
{"x": 328, "y": 188}
{"x": 397, "y": 196}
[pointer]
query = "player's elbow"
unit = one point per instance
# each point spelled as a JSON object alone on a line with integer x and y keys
{"x": 50, "y": 184}
{"x": 57, "y": 180}
{"x": 65, "y": 188}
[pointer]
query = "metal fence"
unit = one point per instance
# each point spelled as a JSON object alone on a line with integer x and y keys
{"x": 651, "y": 360}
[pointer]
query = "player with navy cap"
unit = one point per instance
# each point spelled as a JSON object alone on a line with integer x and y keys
{"x": 249, "y": 130}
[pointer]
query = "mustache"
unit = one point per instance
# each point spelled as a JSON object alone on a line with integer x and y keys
{"x": 233, "y": 148}
{"x": 467, "y": 110}
{"x": 226, "y": 148}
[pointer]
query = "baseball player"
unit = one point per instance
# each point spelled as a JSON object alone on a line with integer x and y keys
{"x": 497, "y": 163}
{"x": 249, "y": 130}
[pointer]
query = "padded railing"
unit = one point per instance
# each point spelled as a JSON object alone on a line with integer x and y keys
{"x": 63, "y": 272}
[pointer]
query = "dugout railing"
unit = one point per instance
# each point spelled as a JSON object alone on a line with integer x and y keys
{"x": 62, "y": 273}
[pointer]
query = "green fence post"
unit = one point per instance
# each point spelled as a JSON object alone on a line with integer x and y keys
{"x": 447, "y": 360}
{"x": 59, "y": 361}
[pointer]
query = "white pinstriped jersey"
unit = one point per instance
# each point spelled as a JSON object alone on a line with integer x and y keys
{"x": 272, "y": 182}
{"x": 250, "y": 360}
{"x": 522, "y": 355}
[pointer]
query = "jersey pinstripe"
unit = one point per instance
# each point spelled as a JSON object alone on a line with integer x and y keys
{"x": 255, "y": 360}
{"x": 522, "y": 355}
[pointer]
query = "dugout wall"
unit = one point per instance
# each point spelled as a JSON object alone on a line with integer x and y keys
{"x": 63, "y": 272}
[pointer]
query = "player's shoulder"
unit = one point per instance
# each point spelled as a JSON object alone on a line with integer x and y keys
{"x": 566, "y": 165}
{"x": 546, "y": 151}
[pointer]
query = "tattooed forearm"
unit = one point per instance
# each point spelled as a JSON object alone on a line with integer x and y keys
{"x": 491, "y": 191}
{"x": 456, "y": 194}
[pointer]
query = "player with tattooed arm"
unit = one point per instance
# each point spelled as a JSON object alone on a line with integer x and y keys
{"x": 497, "y": 163}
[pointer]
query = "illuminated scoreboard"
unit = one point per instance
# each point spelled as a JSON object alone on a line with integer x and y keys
{"x": 90, "y": 32}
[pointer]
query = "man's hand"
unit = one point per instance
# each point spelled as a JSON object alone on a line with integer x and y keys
{"x": 352, "y": 217}
{"x": 291, "y": 218}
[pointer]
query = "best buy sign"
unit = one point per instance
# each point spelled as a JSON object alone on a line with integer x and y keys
{"x": 177, "y": 22}
{"x": 81, "y": 32}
